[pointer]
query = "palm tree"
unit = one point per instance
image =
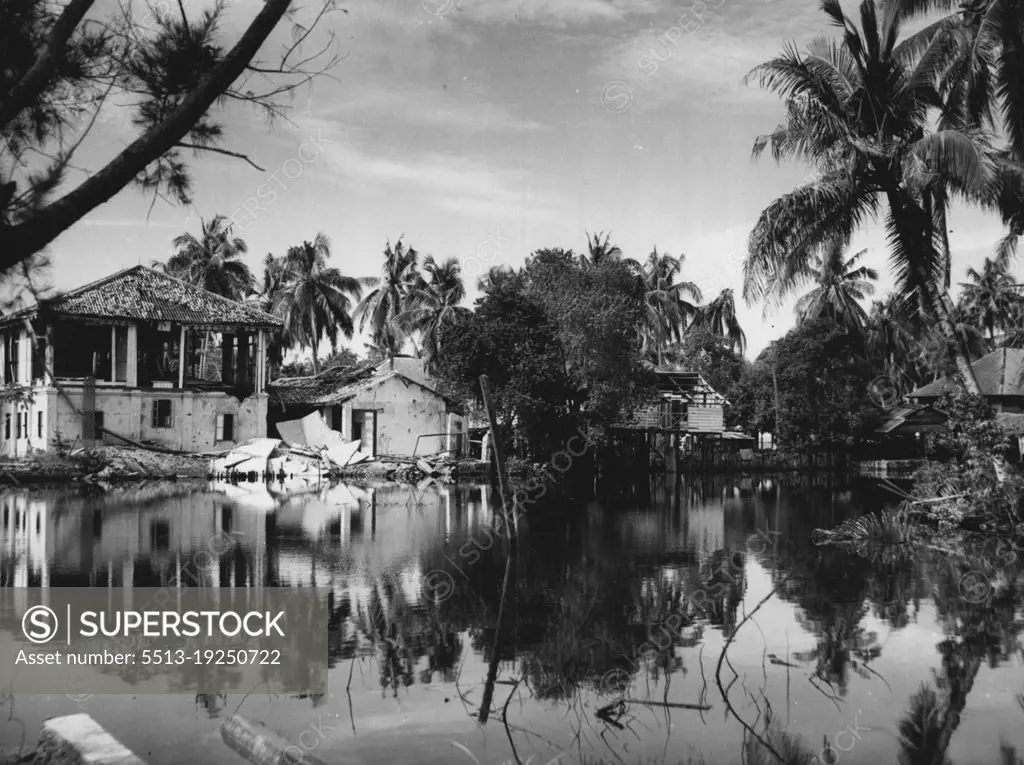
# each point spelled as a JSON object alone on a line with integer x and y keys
{"x": 720, "y": 317}
{"x": 213, "y": 261}
{"x": 433, "y": 303}
{"x": 991, "y": 299}
{"x": 979, "y": 52}
{"x": 892, "y": 333}
{"x": 600, "y": 249}
{"x": 840, "y": 285}
{"x": 384, "y": 303}
{"x": 667, "y": 311}
{"x": 313, "y": 298}
{"x": 859, "y": 111}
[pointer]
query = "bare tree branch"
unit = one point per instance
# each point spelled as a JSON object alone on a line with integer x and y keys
{"x": 225, "y": 152}
{"x": 22, "y": 240}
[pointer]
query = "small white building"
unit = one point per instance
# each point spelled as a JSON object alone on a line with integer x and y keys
{"x": 393, "y": 408}
{"x": 138, "y": 354}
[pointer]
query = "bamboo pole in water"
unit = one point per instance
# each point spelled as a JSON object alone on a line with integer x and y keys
{"x": 513, "y": 532}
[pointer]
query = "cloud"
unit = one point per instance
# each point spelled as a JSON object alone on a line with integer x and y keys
{"x": 420, "y": 107}
{"x": 127, "y": 224}
{"x": 454, "y": 183}
{"x": 699, "y": 53}
{"x": 556, "y": 12}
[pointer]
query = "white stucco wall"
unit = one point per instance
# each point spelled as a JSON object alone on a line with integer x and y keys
{"x": 128, "y": 412}
{"x": 405, "y": 411}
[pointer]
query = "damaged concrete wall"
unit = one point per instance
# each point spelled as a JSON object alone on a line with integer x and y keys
{"x": 405, "y": 411}
{"x": 129, "y": 412}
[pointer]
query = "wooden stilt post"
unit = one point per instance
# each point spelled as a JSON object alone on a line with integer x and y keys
{"x": 513, "y": 532}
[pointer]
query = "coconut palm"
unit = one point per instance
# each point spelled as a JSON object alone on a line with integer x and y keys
{"x": 719, "y": 316}
{"x": 839, "y": 286}
{"x": 892, "y": 335}
{"x": 213, "y": 261}
{"x": 600, "y": 250}
{"x": 667, "y": 311}
{"x": 860, "y": 111}
{"x": 313, "y": 298}
{"x": 433, "y": 303}
{"x": 384, "y": 303}
{"x": 991, "y": 298}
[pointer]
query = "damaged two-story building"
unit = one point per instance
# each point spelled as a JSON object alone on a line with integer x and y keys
{"x": 138, "y": 356}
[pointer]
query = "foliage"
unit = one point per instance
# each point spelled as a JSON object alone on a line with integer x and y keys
{"x": 669, "y": 305}
{"x": 701, "y": 350}
{"x": 557, "y": 340}
{"x": 64, "y": 68}
{"x": 213, "y": 261}
{"x": 822, "y": 375}
{"x": 719, "y": 315}
{"x": 343, "y": 357}
{"x": 839, "y": 286}
{"x": 385, "y": 302}
{"x": 865, "y": 112}
{"x": 313, "y": 298}
{"x": 432, "y": 304}
{"x": 510, "y": 339}
{"x": 968, "y": 480}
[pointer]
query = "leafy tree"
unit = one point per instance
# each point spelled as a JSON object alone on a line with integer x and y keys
{"x": 385, "y": 302}
{"x": 62, "y": 68}
{"x": 213, "y": 261}
{"x": 822, "y": 377}
{"x": 595, "y": 311}
{"x": 558, "y": 341}
{"x": 509, "y": 338}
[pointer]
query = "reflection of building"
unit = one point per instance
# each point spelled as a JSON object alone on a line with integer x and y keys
{"x": 137, "y": 354}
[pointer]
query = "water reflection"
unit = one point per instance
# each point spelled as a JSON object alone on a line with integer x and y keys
{"x": 621, "y": 604}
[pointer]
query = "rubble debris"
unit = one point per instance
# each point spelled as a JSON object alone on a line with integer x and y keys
{"x": 265, "y": 459}
{"x": 405, "y": 470}
{"x": 104, "y": 464}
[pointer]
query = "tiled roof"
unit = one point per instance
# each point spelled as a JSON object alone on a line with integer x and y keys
{"x": 1000, "y": 373}
{"x": 144, "y": 293}
{"x": 317, "y": 389}
{"x": 336, "y": 386}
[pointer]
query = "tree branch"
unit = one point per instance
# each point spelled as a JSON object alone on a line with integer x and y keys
{"x": 35, "y": 79}
{"x": 225, "y": 152}
{"x": 21, "y": 241}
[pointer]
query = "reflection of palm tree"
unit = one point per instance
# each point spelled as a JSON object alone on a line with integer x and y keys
{"x": 842, "y": 645}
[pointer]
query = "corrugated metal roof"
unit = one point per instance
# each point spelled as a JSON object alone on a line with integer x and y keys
{"x": 1000, "y": 373}
{"x": 143, "y": 293}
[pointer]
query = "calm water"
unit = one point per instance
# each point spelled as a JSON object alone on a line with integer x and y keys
{"x": 830, "y": 647}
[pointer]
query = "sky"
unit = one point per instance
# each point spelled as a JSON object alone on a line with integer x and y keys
{"x": 487, "y": 129}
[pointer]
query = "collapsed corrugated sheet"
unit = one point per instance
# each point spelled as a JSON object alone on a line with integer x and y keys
{"x": 312, "y": 432}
